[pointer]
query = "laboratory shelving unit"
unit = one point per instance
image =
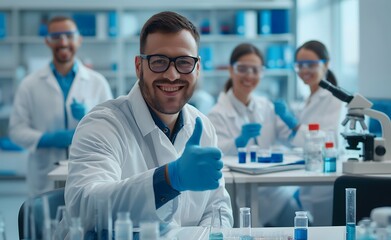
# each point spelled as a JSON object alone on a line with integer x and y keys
{"x": 22, "y": 49}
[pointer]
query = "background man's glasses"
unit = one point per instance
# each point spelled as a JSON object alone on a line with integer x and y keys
{"x": 310, "y": 65}
{"x": 243, "y": 69}
{"x": 158, "y": 63}
{"x": 56, "y": 37}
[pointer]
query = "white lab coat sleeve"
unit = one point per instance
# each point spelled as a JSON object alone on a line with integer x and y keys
{"x": 220, "y": 196}
{"x": 20, "y": 129}
{"x": 105, "y": 91}
{"x": 226, "y": 140}
{"x": 100, "y": 148}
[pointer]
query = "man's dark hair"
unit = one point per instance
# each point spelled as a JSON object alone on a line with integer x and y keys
{"x": 167, "y": 22}
{"x": 60, "y": 19}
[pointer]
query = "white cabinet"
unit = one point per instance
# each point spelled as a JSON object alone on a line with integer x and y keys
{"x": 22, "y": 49}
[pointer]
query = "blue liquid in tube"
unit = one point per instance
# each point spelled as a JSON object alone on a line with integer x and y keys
{"x": 350, "y": 231}
{"x": 330, "y": 164}
{"x": 242, "y": 157}
{"x": 216, "y": 236}
{"x": 300, "y": 234}
{"x": 246, "y": 237}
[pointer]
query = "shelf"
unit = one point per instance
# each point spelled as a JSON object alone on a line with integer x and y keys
{"x": 25, "y": 16}
{"x": 146, "y": 4}
{"x": 40, "y": 40}
{"x": 5, "y": 111}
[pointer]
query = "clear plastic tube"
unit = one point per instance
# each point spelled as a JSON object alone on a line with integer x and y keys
{"x": 350, "y": 204}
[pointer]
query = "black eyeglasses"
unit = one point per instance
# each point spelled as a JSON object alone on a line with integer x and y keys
{"x": 158, "y": 63}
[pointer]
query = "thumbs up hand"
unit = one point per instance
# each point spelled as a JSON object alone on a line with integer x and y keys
{"x": 199, "y": 168}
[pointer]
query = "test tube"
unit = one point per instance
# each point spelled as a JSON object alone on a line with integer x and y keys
{"x": 245, "y": 223}
{"x": 350, "y": 204}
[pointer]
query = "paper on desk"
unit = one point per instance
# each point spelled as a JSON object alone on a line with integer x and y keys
{"x": 289, "y": 163}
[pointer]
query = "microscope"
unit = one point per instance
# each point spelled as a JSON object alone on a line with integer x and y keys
{"x": 376, "y": 151}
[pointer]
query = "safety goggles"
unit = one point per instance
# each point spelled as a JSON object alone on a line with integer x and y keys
{"x": 242, "y": 68}
{"x": 310, "y": 65}
{"x": 56, "y": 37}
{"x": 158, "y": 63}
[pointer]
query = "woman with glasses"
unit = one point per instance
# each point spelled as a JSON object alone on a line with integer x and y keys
{"x": 311, "y": 64}
{"x": 242, "y": 118}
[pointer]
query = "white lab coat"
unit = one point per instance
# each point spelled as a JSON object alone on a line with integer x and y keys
{"x": 323, "y": 108}
{"x": 228, "y": 116}
{"x": 39, "y": 107}
{"x": 115, "y": 151}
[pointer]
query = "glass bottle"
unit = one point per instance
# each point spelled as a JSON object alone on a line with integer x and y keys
{"x": 123, "y": 227}
{"x": 313, "y": 150}
{"x": 149, "y": 231}
{"x": 245, "y": 223}
{"x": 329, "y": 158}
{"x": 301, "y": 225}
{"x": 216, "y": 232}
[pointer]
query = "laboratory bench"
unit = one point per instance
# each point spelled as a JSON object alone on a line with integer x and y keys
{"x": 241, "y": 184}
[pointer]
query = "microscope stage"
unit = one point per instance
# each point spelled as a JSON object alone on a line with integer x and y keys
{"x": 368, "y": 167}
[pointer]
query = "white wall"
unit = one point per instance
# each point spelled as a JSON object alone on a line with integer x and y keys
{"x": 375, "y": 48}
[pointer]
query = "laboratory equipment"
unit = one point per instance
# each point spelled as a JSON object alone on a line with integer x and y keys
{"x": 149, "y": 231}
{"x": 242, "y": 154}
{"x": 366, "y": 230}
{"x": 329, "y": 158}
{"x": 2, "y": 228}
{"x": 313, "y": 149}
{"x": 215, "y": 232}
{"x": 75, "y": 230}
{"x": 253, "y": 153}
{"x": 245, "y": 224}
{"x": 350, "y": 205}
{"x": 301, "y": 225}
{"x": 123, "y": 226}
{"x": 376, "y": 151}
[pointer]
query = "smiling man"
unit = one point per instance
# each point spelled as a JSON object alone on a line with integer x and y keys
{"x": 150, "y": 153}
{"x": 50, "y": 102}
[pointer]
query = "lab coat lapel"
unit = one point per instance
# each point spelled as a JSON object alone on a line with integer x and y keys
{"x": 160, "y": 148}
{"x": 47, "y": 75}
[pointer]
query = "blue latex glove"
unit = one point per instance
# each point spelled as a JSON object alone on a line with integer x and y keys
{"x": 282, "y": 110}
{"x": 58, "y": 139}
{"x": 78, "y": 110}
{"x": 249, "y": 131}
{"x": 199, "y": 168}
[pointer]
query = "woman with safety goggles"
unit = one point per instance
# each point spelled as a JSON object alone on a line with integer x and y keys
{"x": 242, "y": 118}
{"x": 311, "y": 65}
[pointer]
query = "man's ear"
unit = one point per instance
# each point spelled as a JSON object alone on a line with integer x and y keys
{"x": 137, "y": 63}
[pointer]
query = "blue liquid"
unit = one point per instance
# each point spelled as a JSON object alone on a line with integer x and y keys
{"x": 253, "y": 156}
{"x": 330, "y": 164}
{"x": 242, "y": 157}
{"x": 216, "y": 236}
{"x": 300, "y": 233}
{"x": 245, "y": 237}
{"x": 350, "y": 231}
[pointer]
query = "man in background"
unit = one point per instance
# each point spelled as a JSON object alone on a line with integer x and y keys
{"x": 49, "y": 103}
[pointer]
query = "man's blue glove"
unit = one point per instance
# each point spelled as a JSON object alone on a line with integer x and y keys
{"x": 78, "y": 109}
{"x": 58, "y": 139}
{"x": 199, "y": 168}
{"x": 249, "y": 130}
{"x": 282, "y": 110}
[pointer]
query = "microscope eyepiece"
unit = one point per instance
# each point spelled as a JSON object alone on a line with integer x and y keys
{"x": 338, "y": 92}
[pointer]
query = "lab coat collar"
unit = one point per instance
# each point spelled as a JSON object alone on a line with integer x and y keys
{"x": 82, "y": 72}
{"x": 239, "y": 106}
